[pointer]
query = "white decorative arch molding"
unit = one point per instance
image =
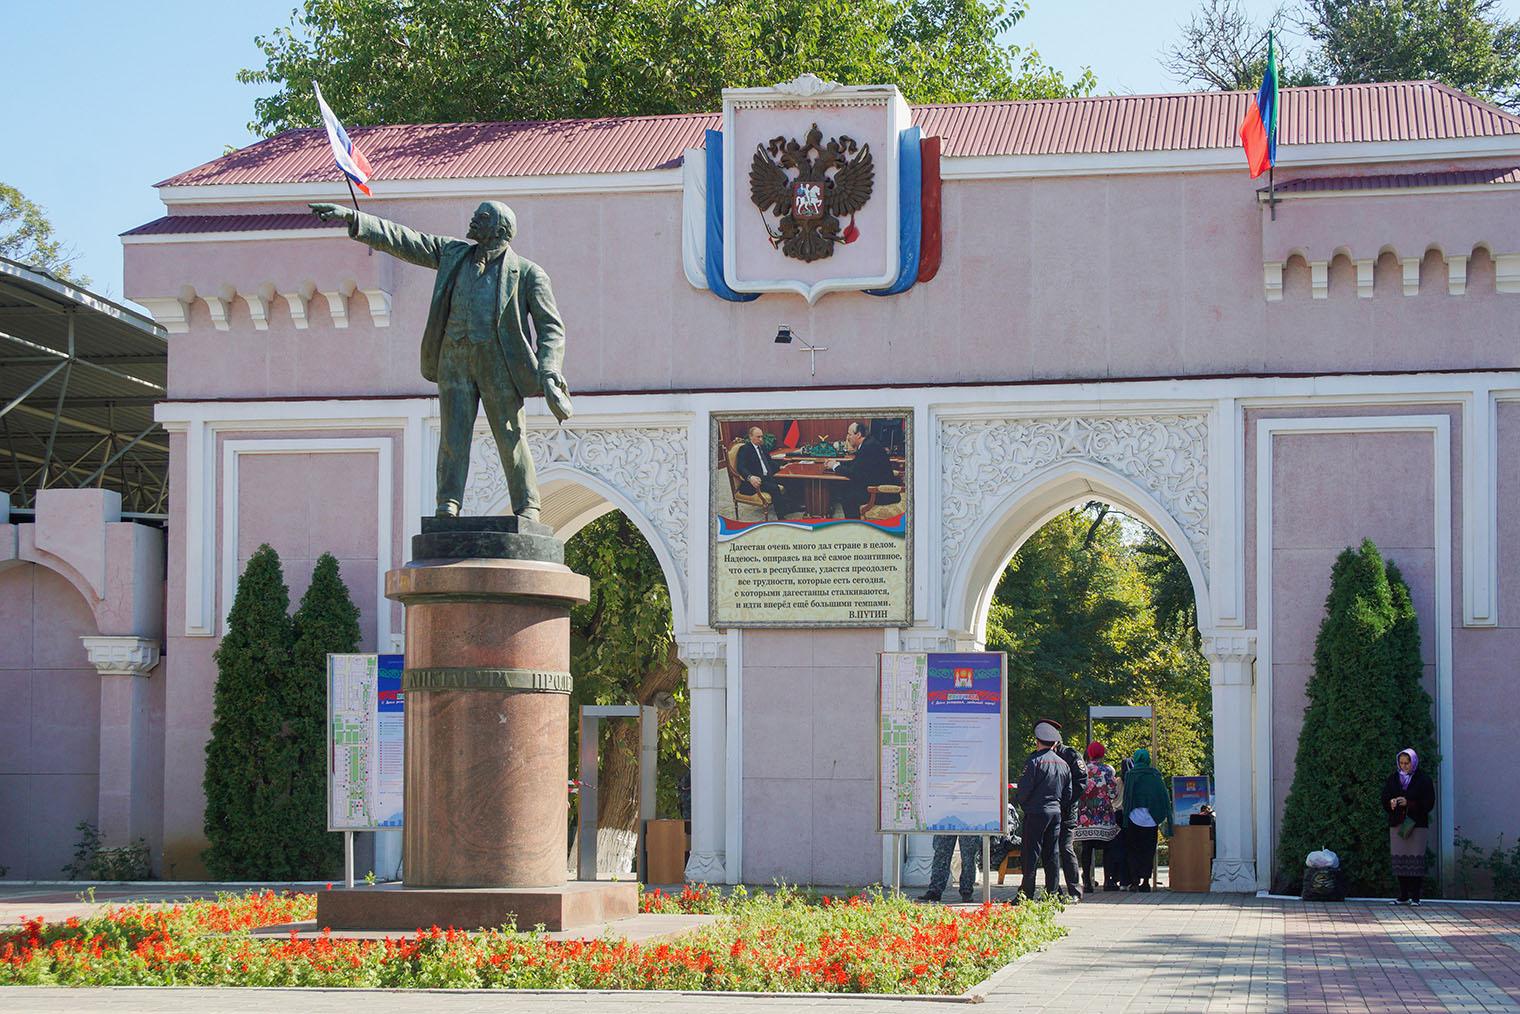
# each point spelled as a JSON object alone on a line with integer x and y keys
{"x": 1166, "y": 455}
{"x": 642, "y": 468}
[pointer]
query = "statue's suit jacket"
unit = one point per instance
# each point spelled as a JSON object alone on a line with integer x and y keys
{"x": 524, "y": 296}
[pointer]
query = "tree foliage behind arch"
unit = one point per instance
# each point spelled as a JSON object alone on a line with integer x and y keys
{"x": 622, "y": 652}
{"x": 1079, "y": 611}
{"x": 447, "y": 61}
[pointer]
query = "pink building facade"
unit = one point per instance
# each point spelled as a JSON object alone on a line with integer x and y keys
{"x": 81, "y": 736}
{"x": 1116, "y": 315}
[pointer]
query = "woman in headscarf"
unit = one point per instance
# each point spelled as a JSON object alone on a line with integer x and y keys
{"x": 1115, "y": 859}
{"x": 1408, "y": 798}
{"x": 1096, "y": 823}
{"x": 1148, "y": 807}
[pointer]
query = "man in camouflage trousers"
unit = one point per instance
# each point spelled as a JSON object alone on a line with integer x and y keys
{"x": 939, "y": 869}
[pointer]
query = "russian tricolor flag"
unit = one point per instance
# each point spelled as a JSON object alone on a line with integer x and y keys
{"x": 1258, "y": 132}
{"x": 347, "y": 154}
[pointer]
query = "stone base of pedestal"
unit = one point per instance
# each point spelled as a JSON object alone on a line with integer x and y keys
{"x": 406, "y": 909}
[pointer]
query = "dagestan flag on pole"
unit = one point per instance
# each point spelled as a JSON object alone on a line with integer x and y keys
{"x": 1258, "y": 131}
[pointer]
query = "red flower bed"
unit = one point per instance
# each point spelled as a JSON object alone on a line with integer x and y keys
{"x": 782, "y": 942}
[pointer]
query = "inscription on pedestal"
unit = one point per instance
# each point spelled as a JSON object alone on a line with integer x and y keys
{"x": 522, "y": 680}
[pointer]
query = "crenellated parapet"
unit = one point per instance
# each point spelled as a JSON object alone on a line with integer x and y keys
{"x": 1407, "y": 218}
{"x": 265, "y": 301}
{"x": 180, "y": 261}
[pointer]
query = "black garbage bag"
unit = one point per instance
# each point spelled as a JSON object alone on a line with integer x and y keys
{"x": 1321, "y": 884}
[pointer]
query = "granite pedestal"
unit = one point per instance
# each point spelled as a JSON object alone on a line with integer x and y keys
{"x": 487, "y": 685}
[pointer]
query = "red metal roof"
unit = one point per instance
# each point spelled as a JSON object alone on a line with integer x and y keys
{"x": 1401, "y": 181}
{"x": 433, "y": 151}
{"x": 1330, "y": 114}
{"x": 1398, "y": 111}
{"x": 176, "y": 224}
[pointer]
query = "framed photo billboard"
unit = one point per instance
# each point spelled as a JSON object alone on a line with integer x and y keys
{"x": 811, "y": 519}
{"x": 943, "y": 743}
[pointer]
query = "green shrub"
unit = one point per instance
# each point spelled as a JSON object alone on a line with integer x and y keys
{"x": 252, "y": 753}
{"x": 91, "y": 862}
{"x": 1501, "y": 864}
{"x": 266, "y": 767}
{"x": 1365, "y": 703}
{"x": 326, "y": 621}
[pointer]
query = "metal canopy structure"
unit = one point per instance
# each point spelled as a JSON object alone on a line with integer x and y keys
{"x": 79, "y": 376}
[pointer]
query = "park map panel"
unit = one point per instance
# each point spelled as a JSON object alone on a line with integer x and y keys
{"x": 364, "y": 739}
{"x": 943, "y": 758}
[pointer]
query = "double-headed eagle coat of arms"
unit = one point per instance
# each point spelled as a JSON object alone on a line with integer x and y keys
{"x": 831, "y": 181}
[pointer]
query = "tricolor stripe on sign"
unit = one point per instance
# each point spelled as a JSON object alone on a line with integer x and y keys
{"x": 347, "y": 154}
{"x": 1258, "y": 132}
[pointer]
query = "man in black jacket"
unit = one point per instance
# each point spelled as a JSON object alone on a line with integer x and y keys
{"x": 759, "y": 472}
{"x": 871, "y": 467}
{"x": 1044, "y": 794}
{"x": 1069, "y": 817}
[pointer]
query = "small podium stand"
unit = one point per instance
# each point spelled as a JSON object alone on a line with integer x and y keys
{"x": 1192, "y": 859}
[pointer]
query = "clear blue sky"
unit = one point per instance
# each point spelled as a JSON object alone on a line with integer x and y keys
{"x": 104, "y": 98}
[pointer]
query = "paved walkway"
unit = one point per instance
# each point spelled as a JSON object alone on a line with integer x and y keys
{"x": 1159, "y": 952}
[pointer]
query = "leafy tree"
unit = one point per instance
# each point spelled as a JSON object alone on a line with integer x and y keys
{"x": 26, "y": 235}
{"x": 1179, "y": 748}
{"x": 409, "y": 61}
{"x": 251, "y": 754}
{"x": 622, "y": 652}
{"x": 326, "y": 621}
{"x": 1466, "y": 44}
{"x": 1077, "y": 615}
{"x": 1365, "y": 703}
{"x": 1171, "y": 586}
{"x": 1223, "y": 48}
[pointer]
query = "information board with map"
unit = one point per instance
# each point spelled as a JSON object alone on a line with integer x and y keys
{"x": 364, "y": 742}
{"x": 943, "y": 741}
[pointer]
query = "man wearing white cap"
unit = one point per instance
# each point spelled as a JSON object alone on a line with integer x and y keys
{"x": 1044, "y": 794}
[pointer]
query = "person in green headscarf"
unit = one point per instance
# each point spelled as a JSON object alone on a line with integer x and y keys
{"x": 1148, "y": 805}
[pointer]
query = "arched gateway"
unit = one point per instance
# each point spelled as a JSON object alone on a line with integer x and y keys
{"x": 1029, "y": 309}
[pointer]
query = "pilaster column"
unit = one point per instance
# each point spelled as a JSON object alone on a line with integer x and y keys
{"x": 1232, "y": 678}
{"x": 706, "y": 659}
{"x": 124, "y": 664}
{"x": 917, "y": 860}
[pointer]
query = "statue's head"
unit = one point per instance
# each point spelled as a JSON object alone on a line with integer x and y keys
{"x": 492, "y": 220}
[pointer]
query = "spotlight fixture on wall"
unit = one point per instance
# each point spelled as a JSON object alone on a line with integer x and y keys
{"x": 784, "y": 336}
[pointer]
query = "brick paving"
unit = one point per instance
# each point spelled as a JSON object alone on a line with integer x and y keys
{"x": 1159, "y": 952}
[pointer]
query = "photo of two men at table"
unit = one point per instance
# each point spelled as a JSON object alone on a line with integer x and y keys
{"x": 801, "y": 468}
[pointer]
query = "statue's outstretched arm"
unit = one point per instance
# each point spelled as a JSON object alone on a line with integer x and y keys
{"x": 386, "y": 236}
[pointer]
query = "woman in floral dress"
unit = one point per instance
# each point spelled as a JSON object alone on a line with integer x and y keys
{"x": 1097, "y": 823}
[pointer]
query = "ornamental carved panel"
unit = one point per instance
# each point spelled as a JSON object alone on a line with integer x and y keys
{"x": 1166, "y": 455}
{"x": 647, "y": 464}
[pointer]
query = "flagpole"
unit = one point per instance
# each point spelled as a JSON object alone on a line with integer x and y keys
{"x": 1276, "y": 113}
{"x": 368, "y": 252}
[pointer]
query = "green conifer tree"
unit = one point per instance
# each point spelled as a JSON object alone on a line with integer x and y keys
{"x": 326, "y": 621}
{"x": 1365, "y": 703}
{"x": 1414, "y": 725}
{"x": 249, "y": 756}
